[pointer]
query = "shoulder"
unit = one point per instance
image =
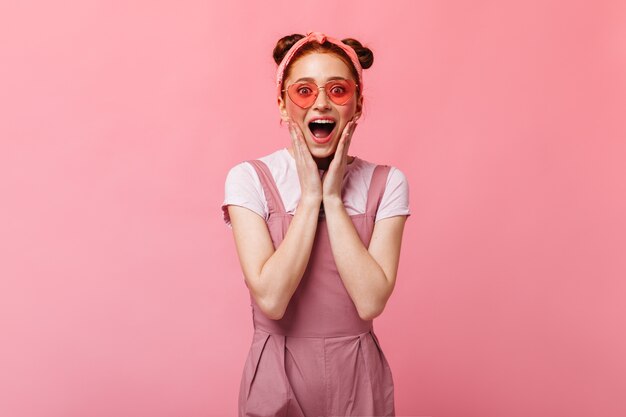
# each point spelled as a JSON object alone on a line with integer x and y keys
{"x": 243, "y": 187}
{"x": 245, "y": 171}
{"x": 395, "y": 175}
{"x": 241, "y": 171}
{"x": 278, "y": 157}
{"x": 395, "y": 198}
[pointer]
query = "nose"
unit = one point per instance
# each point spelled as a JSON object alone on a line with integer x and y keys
{"x": 321, "y": 101}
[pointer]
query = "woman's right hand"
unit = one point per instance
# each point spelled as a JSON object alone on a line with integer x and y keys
{"x": 308, "y": 173}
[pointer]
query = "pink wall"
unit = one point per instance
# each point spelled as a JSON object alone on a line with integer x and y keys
{"x": 120, "y": 290}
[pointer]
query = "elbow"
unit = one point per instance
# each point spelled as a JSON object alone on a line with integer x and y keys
{"x": 371, "y": 312}
{"x": 271, "y": 309}
{"x": 373, "y": 308}
{"x": 374, "y": 305}
{"x": 367, "y": 316}
{"x": 269, "y": 305}
{"x": 276, "y": 314}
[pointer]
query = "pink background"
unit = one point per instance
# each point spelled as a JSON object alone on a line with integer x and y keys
{"x": 120, "y": 290}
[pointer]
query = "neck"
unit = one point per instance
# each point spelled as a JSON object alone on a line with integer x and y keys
{"x": 323, "y": 163}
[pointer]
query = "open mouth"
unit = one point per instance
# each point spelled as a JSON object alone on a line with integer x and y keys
{"x": 322, "y": 129}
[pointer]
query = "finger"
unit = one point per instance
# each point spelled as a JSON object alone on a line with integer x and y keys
{"x": 353, "y": 128}
{"x": 296, "y": 134}
{"x": 292, "y": 131}
{"x": 297, "y": 146}
{"x": 298, "y": 131}
{"x": 302, "y": 148}
{"x": 346, "y": 128}
{"x": 350, "y": 134}
{"x": 298, "y": 141}
{"x": 344, "y": 138}
{"x": 348, "y": 139}
{"x": 306, "y": 152}
{"x": 344, "y": 133}
{"x": 339, "y": 152}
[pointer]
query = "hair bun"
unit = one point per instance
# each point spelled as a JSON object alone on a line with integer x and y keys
{"x": 365, "y": 54}
{"x": 283, "y": 45}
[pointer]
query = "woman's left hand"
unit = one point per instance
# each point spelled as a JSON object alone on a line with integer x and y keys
{"x": 333, "y": 178}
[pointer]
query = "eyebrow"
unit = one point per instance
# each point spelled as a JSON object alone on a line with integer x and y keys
{"x": 313, "y": 79}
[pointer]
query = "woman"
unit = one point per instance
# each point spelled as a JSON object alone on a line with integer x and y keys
{"x": 318, "y": 234}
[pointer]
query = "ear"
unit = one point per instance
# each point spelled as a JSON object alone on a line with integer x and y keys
{"x": 282, "y": 109}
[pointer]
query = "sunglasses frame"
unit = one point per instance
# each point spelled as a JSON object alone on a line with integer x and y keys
{"x": 318, "y": 91}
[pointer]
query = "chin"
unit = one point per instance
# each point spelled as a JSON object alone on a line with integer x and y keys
{"x": 322, "y": 155}
{"x": 322, "y": 150}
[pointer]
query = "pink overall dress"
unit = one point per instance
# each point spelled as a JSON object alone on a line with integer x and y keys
{"x": 320, "y": 358}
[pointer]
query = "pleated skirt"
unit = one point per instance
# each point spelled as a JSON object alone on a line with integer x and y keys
{"x": 288, "y": 376}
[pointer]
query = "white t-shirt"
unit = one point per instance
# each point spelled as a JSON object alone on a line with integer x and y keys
{"x": 243, "y": 187}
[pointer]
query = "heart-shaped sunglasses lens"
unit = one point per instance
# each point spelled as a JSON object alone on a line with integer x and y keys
{"x": 305, "y": 94}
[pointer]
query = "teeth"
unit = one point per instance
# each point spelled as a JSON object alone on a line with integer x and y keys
{"x": 322, "y": 121}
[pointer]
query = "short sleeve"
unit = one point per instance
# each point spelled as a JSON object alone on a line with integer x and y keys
{"x": 243, "y": 188}
{"x": 395, "y": 200}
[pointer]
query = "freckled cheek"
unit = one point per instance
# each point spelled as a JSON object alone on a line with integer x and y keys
{"x": 348, "y": 111}
{"x": 297, "y": 114}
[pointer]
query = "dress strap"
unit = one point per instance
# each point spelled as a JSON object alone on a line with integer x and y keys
{"x": 274, "y": 201}
{"x": 377, "y": 188}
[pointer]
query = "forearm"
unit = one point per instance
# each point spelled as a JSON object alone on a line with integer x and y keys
{"x": 363, "y": 278}
{"x": 282, "y": 272}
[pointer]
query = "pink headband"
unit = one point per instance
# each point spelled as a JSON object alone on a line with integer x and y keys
{"x": 320, "y": 38}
